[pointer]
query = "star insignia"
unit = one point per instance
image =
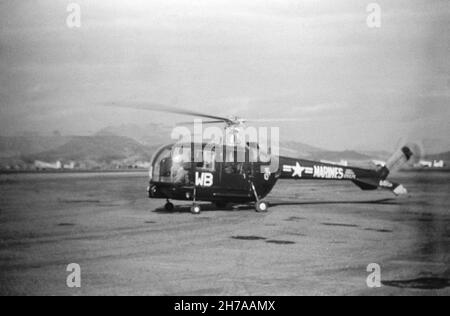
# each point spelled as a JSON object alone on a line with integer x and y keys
{"x": 298, "y": 170}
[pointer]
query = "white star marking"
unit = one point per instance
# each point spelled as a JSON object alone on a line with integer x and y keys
{"x": 298, "y": 170}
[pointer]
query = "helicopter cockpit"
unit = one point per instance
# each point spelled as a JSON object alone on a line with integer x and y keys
{"x": 173, "y": 163}
{"x": 168, "y": 166}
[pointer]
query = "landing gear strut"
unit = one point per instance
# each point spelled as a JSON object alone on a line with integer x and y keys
{"x": 195, "y": 208}
{"x": 260, "y": 205}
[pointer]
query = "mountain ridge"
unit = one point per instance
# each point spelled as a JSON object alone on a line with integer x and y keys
{"x": 139, "y": 143}
{"x": 97, "y": 148}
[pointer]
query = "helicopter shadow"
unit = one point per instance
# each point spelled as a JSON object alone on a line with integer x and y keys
{"x": 292, "y": 203}
{"x": 205, "y": 208}
{"x": 238, "y": 208}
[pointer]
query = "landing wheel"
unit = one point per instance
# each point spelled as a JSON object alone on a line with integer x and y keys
{"x": 169, "y": 207}
{"x": 196, "y": 209}
{"x": 262, "y": 206}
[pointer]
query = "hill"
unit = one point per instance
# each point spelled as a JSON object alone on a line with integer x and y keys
{"x": 348, "y": 155}
{"x": 128, "y": 144}
{"x": 97, "y": 148}
{"x": 26, "y": 145}
{"x": 148, "y": 135}
{"x": 300, "y": 148}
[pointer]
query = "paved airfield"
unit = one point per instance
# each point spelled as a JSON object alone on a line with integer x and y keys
{"x": 317, "y": 240}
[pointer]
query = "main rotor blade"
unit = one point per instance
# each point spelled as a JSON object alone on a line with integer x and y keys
{"x": 274, "y": 120}
{"x": 168, "y": 109}
{"x": 203, "y": 122}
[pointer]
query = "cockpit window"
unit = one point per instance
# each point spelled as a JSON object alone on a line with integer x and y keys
{"x": 209, "y": 160}
{"x": 162, "y": 164}
{"x": 172, "y": 165}
{"x": 206, "y": 159}
{"x": 181, "y": 156}
{"x": 169, "y": 165}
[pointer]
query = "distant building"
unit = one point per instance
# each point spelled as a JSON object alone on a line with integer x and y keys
{"x": 141, "y": 165}
{"x": 69, "y": 166}
{"x": 438, "y": 164}
{"x": 424, "y": 164}
{"x": 42, "y": 165}
{"x": 46, "y": 165}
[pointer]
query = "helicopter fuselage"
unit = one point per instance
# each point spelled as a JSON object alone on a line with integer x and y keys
{"x": 219, "y": 179}
{"x": 212, "y": 179}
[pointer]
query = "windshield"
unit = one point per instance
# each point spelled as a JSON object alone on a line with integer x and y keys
{"x": 171, "y": 164}
{"x": 161, "y": 164}
{"x": 168, "y": 166}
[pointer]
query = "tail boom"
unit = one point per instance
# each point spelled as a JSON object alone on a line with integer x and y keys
{"x": 365, "y": 179}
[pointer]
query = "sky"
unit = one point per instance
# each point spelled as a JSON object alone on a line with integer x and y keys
{"x": 349, "y": 86}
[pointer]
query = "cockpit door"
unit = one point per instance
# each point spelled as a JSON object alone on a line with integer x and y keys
{"x": 235, "y": 174}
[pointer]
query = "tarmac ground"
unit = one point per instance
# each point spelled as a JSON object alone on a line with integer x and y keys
{"x": 318, "y": 238}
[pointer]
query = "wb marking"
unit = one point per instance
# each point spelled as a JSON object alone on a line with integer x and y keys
{"x": 204, "y": 179}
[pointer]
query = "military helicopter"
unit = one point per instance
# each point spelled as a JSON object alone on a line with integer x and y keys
{"x": 176, "y": 173}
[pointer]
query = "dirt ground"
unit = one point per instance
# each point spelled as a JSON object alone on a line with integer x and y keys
{"x": 317, "y": 239}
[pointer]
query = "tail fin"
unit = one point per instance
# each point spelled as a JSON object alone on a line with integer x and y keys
{"x": 379, "y": 178}
{"x": 399, "y": 158}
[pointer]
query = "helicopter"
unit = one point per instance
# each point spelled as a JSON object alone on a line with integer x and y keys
{"x": 200, "y": 171}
